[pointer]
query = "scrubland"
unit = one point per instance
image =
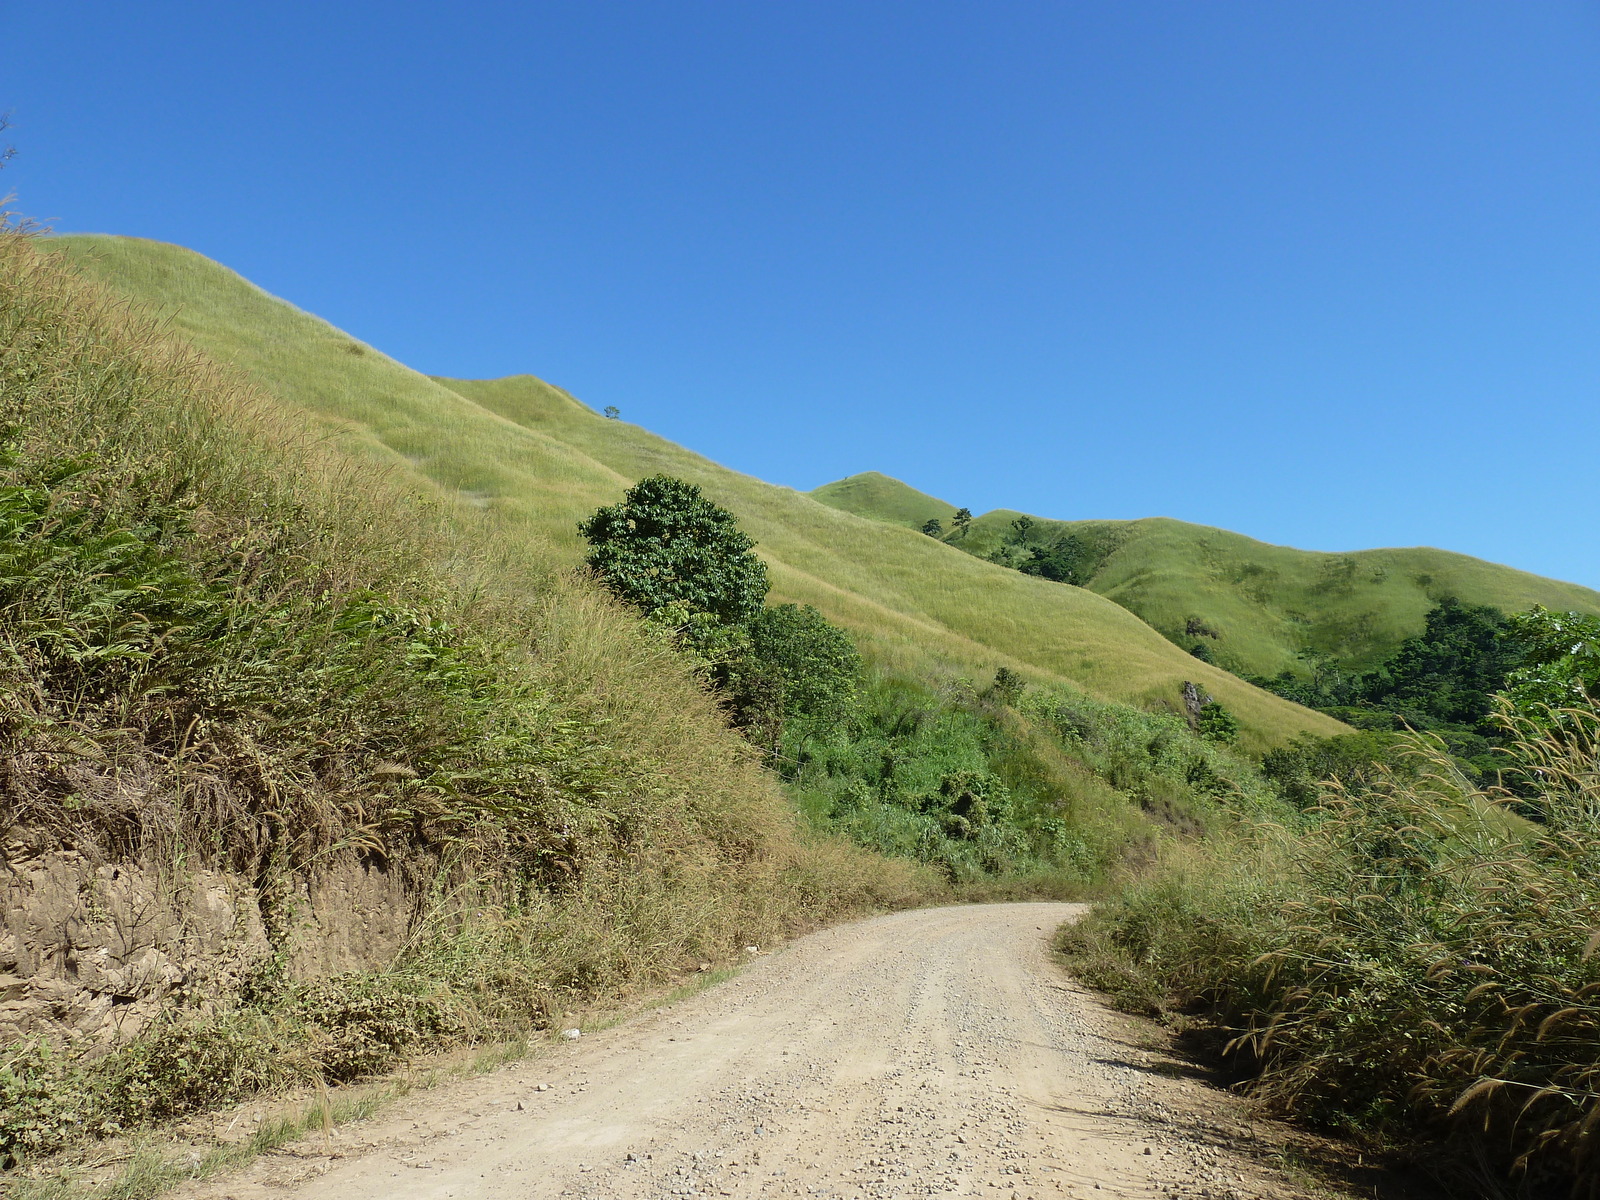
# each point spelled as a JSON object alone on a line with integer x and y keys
{"x": 1412, "y": 961}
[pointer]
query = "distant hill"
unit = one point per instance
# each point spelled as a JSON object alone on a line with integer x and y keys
{"x": 532, "y": 459}
{"x": 885, "y": 499}
{"x": 1255, "y": 606}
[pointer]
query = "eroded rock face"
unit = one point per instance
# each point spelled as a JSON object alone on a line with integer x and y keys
{"x": 90, "y": 951}
{"x": 351, "y": 916}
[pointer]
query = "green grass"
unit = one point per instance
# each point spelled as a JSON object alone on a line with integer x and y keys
{"x": 527, "y": 461}
{"x": 1265, "y": 603}
{"x": 884, "y": 499}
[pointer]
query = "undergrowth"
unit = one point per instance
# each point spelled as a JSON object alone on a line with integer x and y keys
{"x": 1008, "y": 790}
{"x": 1408, "y": 961}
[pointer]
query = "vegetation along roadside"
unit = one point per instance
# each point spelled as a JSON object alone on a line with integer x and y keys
{"x": 310, "y": 774}
{"x": 321, "y": 759}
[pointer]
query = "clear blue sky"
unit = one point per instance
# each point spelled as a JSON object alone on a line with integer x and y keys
{"x": 1326, "y": 274}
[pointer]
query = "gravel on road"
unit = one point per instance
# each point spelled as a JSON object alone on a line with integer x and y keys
{"x": 938, "y": 1052}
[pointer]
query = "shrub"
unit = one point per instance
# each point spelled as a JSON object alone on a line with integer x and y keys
{"x": 667, "y": 544}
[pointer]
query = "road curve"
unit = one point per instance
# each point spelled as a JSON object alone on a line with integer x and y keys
{"x": 938, "y": 1052}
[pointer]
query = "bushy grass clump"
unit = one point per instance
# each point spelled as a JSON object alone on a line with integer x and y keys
{"x": 224, "y": 644}
{"x": 1408, "y": 960}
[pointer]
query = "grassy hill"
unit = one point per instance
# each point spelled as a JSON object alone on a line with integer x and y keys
{"x": 316, "y": 774}
{"x": 1261, "y": 604}
{"x": 530, "y": 459}
{"x": 884, "y": 499}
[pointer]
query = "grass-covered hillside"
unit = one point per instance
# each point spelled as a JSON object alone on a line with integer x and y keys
{"x": 533, "y": 461}
{"x": 883, "y": 498}
{"x": 240, "y": 664}
{"x": 1254, "y": 606}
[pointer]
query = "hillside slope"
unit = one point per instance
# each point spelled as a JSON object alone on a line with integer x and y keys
{"x": 884, "y": 498}
{"x": 1260, "y": 604}
{"x": 300, "y": 774}
{"x": 533, "y": 460}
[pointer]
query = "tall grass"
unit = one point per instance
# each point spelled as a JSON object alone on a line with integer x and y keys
{"x": 1412, "y": 959}
{"x": 224, "y": 642}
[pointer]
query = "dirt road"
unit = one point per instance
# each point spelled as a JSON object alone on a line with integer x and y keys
{"x": 929, "y": 1053}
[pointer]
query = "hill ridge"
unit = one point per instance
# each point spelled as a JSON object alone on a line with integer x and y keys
{"x": 1259, "y": 605}
{"x": 534, "y": 460}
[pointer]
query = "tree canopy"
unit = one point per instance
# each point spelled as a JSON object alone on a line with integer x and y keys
{"x": 667, "y": 544}
{"x": 815, "y": 661}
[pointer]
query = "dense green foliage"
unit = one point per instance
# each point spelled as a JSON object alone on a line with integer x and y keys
{"x": 1559, "y": 664}
{"x": 814, "y": 660}
{"x": 1302, "y": 770}
{"x": 1011, "y": 782}
{"x": 1444, "y": 677}
{"x": 666, "y": 544}
{"x": 1064, "y": 560}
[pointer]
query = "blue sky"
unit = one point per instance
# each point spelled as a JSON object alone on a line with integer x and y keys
{"x": 1326, "y": 274}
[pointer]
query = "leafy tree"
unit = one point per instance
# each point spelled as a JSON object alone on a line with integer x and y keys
{"x": 813, "y": 660}
{"x": 1449, "y": 672}
{"x": 1020, "y": 528}
{"x": 613, "y": 413}
{"x": 667, "y": 544}
{"x": 932, "y": 527}
{"x": 1560, "y": 663}
{"x": 1061, "y": 561}
{"x": 962, "y": 520}
{"x": 1217, "y": 724}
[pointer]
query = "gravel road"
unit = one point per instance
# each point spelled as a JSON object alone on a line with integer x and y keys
{"x": 931, "y": 1053}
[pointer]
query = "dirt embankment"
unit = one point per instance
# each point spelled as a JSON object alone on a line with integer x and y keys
{"x": 929, "y": 1053}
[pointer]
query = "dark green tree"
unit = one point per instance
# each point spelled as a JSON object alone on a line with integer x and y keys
{"x": 962, "y": 520}
{"x": 813, "y": 659}
{"x": 666, "y": 544}
{"x": 1449, "y": 672}
{"x": 613, "y": 413}
{"x": 1061, "y": 561}
{"x": 932, "y": 527}
{"x": 1020, "y": 528}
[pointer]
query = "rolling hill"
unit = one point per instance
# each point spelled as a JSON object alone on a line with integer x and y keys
{"x": 532, "y": 460}
{"x": 1255, "y": 605}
